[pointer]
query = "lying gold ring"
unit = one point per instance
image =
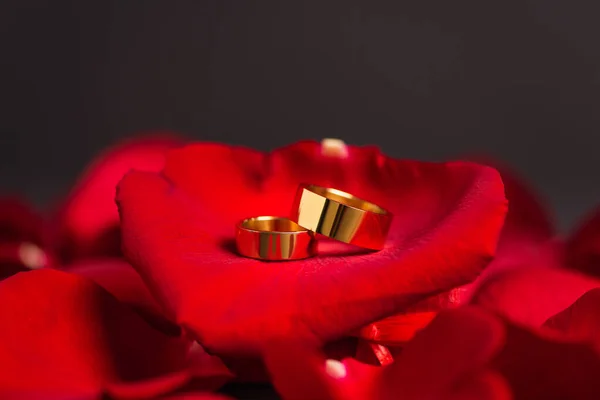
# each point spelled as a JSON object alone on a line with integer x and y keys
{"x": 273, "y": 238}
{"x": 341, "y": 216}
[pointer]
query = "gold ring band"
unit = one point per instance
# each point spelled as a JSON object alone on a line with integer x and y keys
{"x": 273, "y": 238}
{"x": 341, "y": 216}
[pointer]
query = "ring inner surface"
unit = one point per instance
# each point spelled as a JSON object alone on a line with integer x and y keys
{"x": 346, "y": 199}
{"x": 272, "y": 224}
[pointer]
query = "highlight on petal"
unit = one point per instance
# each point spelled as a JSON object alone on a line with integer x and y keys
{"x": 531, "y": 296}
{"x": 335, "y": 369}
{"x": 447, "y": 220}
{"x": 63, "y": 334}
{"x": 88, "y": 219}
{"x": 334, "y": 148}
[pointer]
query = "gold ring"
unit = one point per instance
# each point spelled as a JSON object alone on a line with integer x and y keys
{"x": 341, "y": 216}
{"x": 273, "y": 238}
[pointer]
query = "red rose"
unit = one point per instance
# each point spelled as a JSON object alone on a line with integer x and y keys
{"x": 98, "y": 328}
{"x": 178, "y": 229}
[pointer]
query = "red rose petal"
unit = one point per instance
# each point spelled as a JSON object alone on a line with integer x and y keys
{"x": 88, "y": 220}
{"x": 20, "y": 223}
{"x": 298, "y": 372}
{"x": 527, "y": 237}
{"x": 530, "y": 296}
{"x": 178, "y": 233}
{"x": 23, "y": 238}
{"x": 62, "y": 334}
{"x": 582, "y": 249}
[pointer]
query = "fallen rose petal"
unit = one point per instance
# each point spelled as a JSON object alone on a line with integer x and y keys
{"x": 582, "y": 249}
{"x": 23, "y": 238}
{"x": 63, "y": 334}
{"x": 88, "y": 220}
{"x": 530, "y": 296}
{"x": 178, "y": 232}
{"x": 19, "y": 222}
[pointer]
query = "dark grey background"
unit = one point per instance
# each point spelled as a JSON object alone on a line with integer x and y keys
{"x": 432, "y": 79}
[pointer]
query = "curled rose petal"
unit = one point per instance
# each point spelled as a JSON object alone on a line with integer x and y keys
{"x": 88, "y": 220}
{"x": 526, "y": 239}
{"x": 63, "y": 334}
{"x": 530, "y": 296}
{"x": 178, "y": 233}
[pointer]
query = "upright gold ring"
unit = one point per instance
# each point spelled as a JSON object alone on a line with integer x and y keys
{"x": 341, "y": 216}
{"x": 273, "y": 238}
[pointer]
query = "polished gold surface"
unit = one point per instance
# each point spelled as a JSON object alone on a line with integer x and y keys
{"x": 341, "y": 216}
{"x": 273, "y": 238}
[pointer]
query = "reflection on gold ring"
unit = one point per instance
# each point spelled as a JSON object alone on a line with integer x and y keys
{"x": 341, "y": 216}
{"x": 273, "y": 238}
